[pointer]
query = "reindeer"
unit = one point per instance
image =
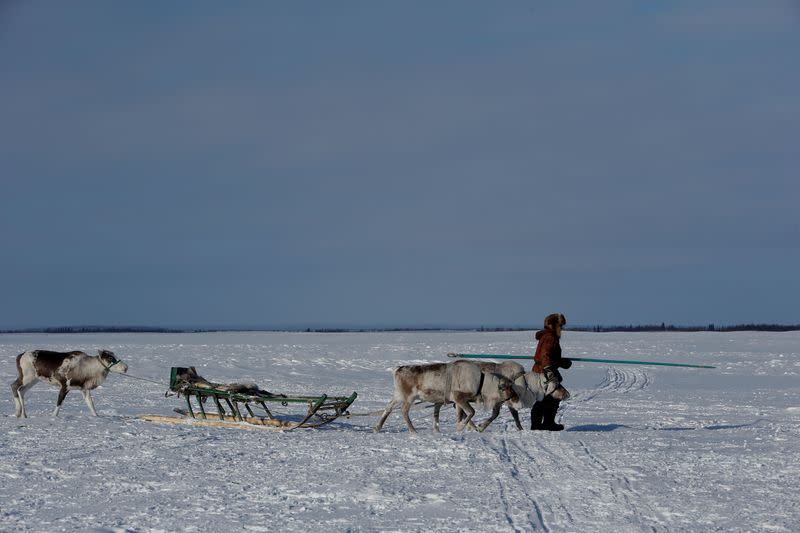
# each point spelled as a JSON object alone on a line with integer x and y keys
{"x": 508, "y": 369}
{"x": 460, "y": 382}
{"x": 67, "y": 370}
{"x": 530, "y": 388}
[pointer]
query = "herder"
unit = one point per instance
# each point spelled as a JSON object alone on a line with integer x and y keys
{"x": 547, "y": 361}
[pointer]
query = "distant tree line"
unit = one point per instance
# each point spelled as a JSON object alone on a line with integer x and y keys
{"x": 100, "y": 329}
{"x": 671, "y": 327}
{"x": 598, "y": 328}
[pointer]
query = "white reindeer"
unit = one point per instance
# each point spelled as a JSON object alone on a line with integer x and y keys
{"x": 460, "y": 382}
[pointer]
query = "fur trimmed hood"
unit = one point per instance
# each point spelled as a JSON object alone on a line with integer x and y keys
{"x": 554, "y": 320}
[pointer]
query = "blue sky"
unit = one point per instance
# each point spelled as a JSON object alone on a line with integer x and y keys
{"x": 399, "y": 163}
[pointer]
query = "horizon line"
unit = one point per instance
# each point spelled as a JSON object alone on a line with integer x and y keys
{"x": 597, "y": 328}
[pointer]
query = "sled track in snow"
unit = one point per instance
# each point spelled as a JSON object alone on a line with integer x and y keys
{"x": 534, "y": 518}
{"x": 540, "y": 461}
{"x": 536, "y": 462}
{"x": 526, "y": 469}
{"x": 616, "y": 380}
{"x": 558, "y": 507}
{"x": 622, "y": 491}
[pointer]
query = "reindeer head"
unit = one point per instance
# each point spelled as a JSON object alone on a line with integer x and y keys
{"x": 560, "y": 393}
{"x": 506, "y": 388}
{"x": 110, "y": 362}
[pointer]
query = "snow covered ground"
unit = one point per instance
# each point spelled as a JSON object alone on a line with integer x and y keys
{"x": 646, "y": 448}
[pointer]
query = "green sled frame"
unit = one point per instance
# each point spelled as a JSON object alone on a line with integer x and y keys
{"x": 320, "y": 410}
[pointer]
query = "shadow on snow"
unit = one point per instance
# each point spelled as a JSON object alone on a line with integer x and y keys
{"x": 614, "y": 427}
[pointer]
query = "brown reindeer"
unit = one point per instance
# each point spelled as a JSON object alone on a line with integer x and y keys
{"x": 66, "y": 370}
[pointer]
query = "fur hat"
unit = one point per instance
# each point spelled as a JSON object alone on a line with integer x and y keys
{"x": 555, "y": 320}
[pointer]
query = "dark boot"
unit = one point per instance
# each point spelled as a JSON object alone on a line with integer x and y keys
{"x": 537, "y": 415}
{"x": 549, "y": 418}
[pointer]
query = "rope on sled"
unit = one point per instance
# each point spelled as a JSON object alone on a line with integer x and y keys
{"x": 380, "y": 412}
{"x": 142, "y": 379}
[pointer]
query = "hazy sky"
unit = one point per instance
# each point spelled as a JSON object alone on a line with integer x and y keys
{"x": 399, "y": 163}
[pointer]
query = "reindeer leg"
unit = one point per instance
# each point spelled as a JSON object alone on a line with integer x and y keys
{"x": 467, "y": 408}
{"x": 88, "y": 397}
{"x": 515, "y": 414}
{"x": 495, "y": 412}
{"x": 459, "y": 415}
{"x": 62, "y": 393}
{"x": 436, "y": 408}
{"x": 405, "y": 410}
{"x": 15, "y": 385}
{"x": 386, "y": 412}
{"x": 21, "y": 395}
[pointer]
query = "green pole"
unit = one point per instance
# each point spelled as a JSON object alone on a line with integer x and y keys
{"x": 585, "y": 359}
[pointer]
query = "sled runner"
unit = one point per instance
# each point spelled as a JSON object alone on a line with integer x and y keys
{"x": 239, "y": 400}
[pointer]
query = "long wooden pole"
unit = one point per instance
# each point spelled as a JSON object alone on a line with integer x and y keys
{"x": 584, "y": 359}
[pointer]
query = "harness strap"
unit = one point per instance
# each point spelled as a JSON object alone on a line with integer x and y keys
{"x": 448, "y": 382}
{"x": 118, "y": 361}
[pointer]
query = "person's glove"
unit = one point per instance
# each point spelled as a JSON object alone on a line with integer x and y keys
{"x": 565, "y": 363}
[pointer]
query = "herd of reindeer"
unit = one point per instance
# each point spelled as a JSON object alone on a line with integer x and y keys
{"x": 460, "y": 382}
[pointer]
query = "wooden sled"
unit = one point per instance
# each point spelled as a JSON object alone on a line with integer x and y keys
{"x": 240, "y": 399}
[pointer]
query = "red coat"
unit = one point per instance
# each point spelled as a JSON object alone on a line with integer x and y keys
{"x": 548, "y": 351}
